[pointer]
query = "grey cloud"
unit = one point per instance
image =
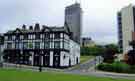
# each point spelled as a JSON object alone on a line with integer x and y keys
{"x": 99, "y": 22}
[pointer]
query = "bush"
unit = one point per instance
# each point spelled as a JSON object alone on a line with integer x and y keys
{"x": 105, "y": 66}
{"x": 94, "y": 50}
{"x": 118, "y": 67}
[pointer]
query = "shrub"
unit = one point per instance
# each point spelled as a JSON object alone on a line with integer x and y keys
{"x": 105, "y": 66}
{"x": 119, "y": 67}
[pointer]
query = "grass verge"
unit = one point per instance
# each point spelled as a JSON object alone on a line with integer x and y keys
{"x": 21, "y": 75}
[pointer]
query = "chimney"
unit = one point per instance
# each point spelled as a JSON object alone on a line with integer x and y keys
{"x": 37, "y": 26}
{"x": 24, "y": 27}
{"x": 30, "y": 27}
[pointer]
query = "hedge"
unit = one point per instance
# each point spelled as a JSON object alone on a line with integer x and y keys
{"x": 118, "y": 67}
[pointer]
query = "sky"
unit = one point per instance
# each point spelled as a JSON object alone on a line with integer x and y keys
{"x": 99, "y": 16}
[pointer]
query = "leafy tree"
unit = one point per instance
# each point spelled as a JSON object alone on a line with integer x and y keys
{"x": 113, "y": 46}
{"x": 109, "y": 54}
{"x": 94, "y": 50}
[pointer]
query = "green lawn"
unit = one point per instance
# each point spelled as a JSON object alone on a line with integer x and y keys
{"x": 85, "y": 58}
{"x": 19, "y": 75}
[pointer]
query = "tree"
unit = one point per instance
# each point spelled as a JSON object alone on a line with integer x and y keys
{"x": 93, "y": 50}
{"x": 113, "y": 46}
{"x": 109, "y": 54}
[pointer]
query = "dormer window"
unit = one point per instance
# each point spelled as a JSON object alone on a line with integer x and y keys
{"x": 26, "y": 36}
{"x": 47, "y": 36}
{"x": 9, "y": 37}
{"x": 57, "y": 35}
{"x": 37, "y": 36}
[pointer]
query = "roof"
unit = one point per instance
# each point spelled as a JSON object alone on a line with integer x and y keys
{"x": 43, "y": 29}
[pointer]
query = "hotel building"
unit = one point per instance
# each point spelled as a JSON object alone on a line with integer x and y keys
{"x": 38, "y": 45}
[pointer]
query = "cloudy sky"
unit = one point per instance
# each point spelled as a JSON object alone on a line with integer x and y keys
{"x": 99, "y": 16}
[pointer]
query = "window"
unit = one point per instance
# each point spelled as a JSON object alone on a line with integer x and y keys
{"x": 6, "y": 38}
{"x": 17, "y": 45}
{"x": 56, "y": 35}
{"x": 57, "y": 44}
{"x": 30, "y": 45}
{"x": 37, "y": 45}
{"x": 37, "y": 36}
{"x": 47, "y": 44}
{"x": 47, "y": 36}
{"x": 25, "y": 36}
{"x": 29, "y": 36}
{"x": 21, "y": 36}
{"x": 9, "y": 37}
{"x": 9, "y": 45}
{"x": 17, "y": 37}
{"x": 25, "y": 44}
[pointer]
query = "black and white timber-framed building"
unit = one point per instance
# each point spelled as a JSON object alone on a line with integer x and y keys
{"x": 42, "y": 45}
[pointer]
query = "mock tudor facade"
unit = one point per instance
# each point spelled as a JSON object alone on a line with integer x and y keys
{"x": 48, "y": 46}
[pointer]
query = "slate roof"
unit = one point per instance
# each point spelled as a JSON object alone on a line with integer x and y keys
{"x": 41, "y": 29}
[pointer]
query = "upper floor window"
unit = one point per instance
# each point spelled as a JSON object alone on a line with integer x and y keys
{"x": 17, "y": 45}
{"x": 6, "y": 37}
{"x": 17, "y": 37}
{"x": 30, "y": 45}
{"x": 13, "y": 37}
{"x": 57, "y": 35}
{"x": 57, "y": 44}
{"x": 37, "y": 36}
{"x": 9, "y": 45}
{"x": 9, "y": 37}
{"x": 37, "y": 45}
{"x": 47, "y": 36}
{"x": 47, "y": 44}
{"x": 26, "y": 36}
{"x": 25, "y": 45}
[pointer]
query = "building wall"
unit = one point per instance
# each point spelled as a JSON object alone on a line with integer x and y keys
{"x": 127, "y": 26}
{"x": 71, "y": 58}
{"x": 74, "y": 52}
{"x": 67, "y": 54}
{"x": 73, "y": 17}
{"x": 120, "y": 36}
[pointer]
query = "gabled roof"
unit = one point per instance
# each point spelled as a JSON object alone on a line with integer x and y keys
{"x": 44, "y": 28}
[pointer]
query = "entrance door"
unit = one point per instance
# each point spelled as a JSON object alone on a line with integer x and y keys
{"x": 36, "y": 59}
{"x": 46, "y": 59}
{"x": 56, "y": 59}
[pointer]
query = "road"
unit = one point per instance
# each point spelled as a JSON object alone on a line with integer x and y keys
{"x": 88, "y": 68}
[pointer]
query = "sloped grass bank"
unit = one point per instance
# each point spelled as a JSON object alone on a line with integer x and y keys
{"x": 21, "y": 75}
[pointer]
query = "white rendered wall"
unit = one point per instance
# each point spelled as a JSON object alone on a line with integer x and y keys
{"x": 73, "y": 54}
{"x": 51, "y": 58}
{"x": 64, "y": 61}
{"x": 127, "y": 26}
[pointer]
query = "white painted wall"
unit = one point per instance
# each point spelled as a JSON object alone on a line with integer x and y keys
{"x": 64, "y": 61}
{"x": 127, "y": 26}
{"x": 74, "y": 52}
{"x": 51, "y": 58}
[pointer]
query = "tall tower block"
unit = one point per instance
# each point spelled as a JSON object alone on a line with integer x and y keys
{"x": 73, "y": 18}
